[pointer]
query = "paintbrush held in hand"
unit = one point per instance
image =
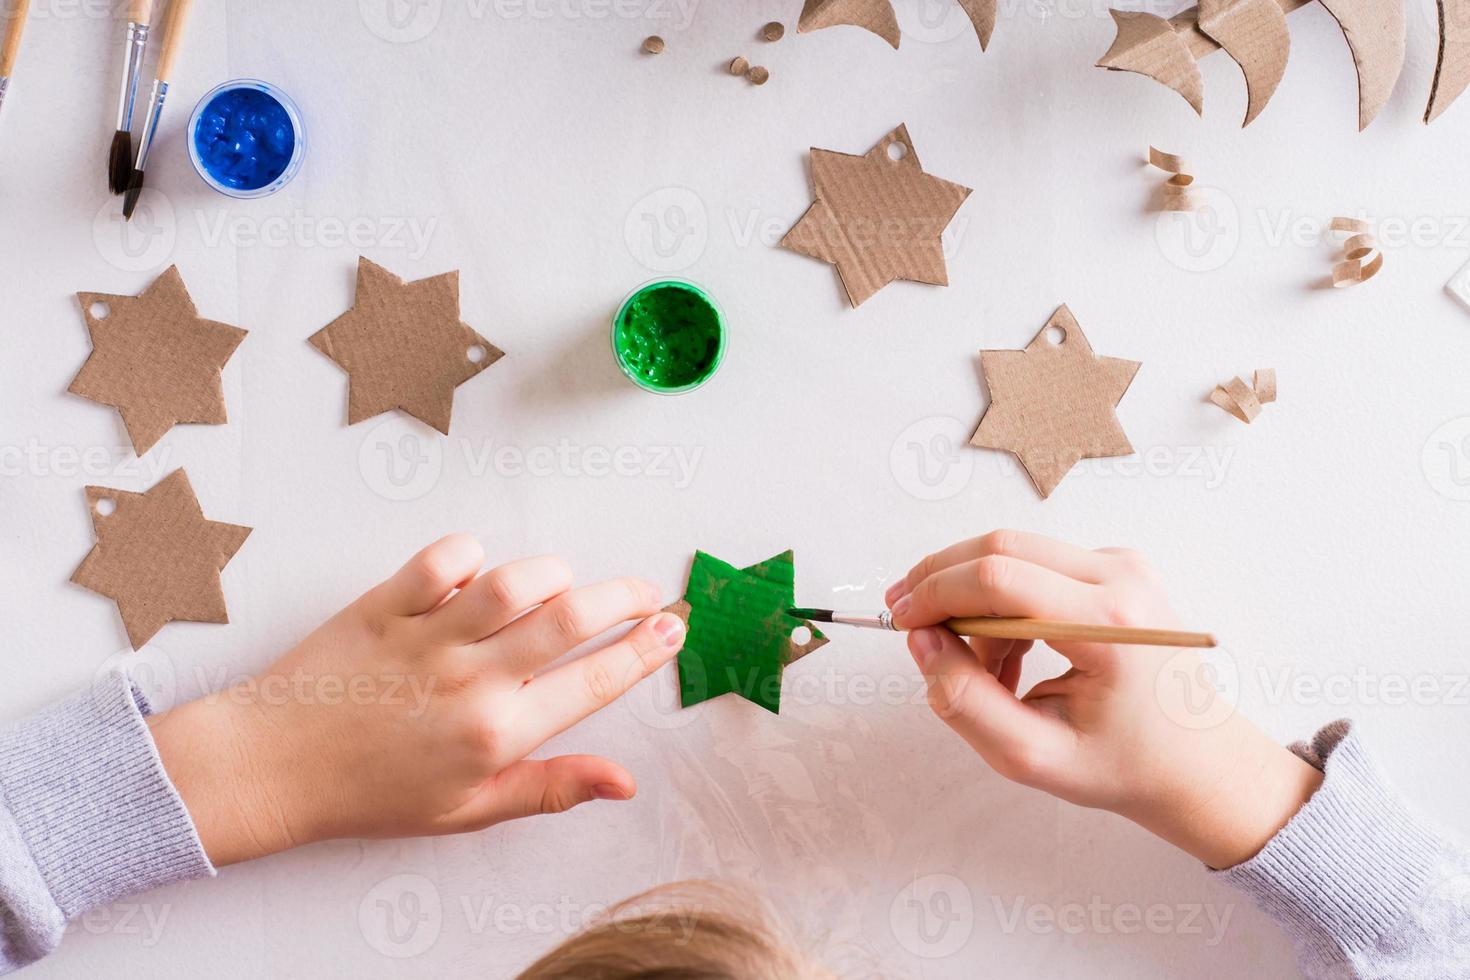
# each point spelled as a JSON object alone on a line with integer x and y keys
{"x": 1013, "y": 628}
{"x": 173, "y": 32}
{"x": 15, "y": 22}
{"x": 120, "y": 159}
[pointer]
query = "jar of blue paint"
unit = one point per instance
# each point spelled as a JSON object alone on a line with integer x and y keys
{"x": 246, "y": 138}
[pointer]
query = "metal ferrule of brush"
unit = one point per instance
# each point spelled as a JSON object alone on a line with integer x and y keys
{"x": 150, "y": 125}
{"x": 137, "y": 44}
{"x": 4, "y": 84}
{"x": 882, "y": 621}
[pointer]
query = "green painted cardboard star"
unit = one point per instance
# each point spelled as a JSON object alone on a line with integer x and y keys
{"x": 739, "y": 638}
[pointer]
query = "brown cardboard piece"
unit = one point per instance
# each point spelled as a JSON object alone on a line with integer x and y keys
{"x": 1243, "y": 400}
{"x": 982, "y": 16}
{"x": 158, "y": 557}
{"x": 877, "y": 217}
{"x": 1149, "y": 45}
{"x": 1452, "y": 64}
{"x": 876, "y": 16}
{"x": 1375, "y": 34}
{"x": 1186, "y": 22}
{"x": 1254, "y": 33}
{"x": 404, "y": 346}
{"x": 1175, "y": 194}
{"x": 1361, "y": 257}
{"x": 155, "y": 359}
{"x": 1053, "y": 404}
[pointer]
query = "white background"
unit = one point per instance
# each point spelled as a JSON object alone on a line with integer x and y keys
{"x": 535, "y": 149}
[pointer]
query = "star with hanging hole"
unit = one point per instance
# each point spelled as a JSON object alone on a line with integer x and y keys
{"x": 740, "y": 637}
{"x": 1054, "y": 403}
{"x": 157, "y": 556}
{"x": 404, "y": 346}
{"x": 877, "y": 217}
{"x": 155, "y": 359}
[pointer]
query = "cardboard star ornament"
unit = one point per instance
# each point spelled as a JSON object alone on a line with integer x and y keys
{"x": 404, "y": 346}
{"x": 1053, "y": 403}
{"x": 877, "y": 217}
{"x": 155, "y": 359}
{"x": 739, "y": 637}
{"x": 157, "y": 556}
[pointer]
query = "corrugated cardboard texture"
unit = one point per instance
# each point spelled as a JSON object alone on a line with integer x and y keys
{"x": 1150, "y": 46}
{"x": 877, "y": 218}
{"x": 1452, "y": 66}
{"x": 1375, "y": 34}
{"x": 1244, "y": 401}
{"x": 1052, "y": 404}
{"x": 1175, "y": 194}
{"x": 871, "y": 15}
{"x": 158, "y": 557}
{"x": 1186, "y": 22}
{"x": 155, "y": 359}
{"x": 1254, "y": 33}
{"x": 404, "y": 346}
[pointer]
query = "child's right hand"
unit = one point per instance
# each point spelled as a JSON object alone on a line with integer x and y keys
{"x": 1121, "y": 730}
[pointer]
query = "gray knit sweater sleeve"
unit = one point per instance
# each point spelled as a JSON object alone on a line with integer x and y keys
{"x": 87, "y": 816}
{"x": 1363, "y": 887}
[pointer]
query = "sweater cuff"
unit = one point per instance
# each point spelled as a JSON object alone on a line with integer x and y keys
{"x": 1352, "y": 861}
{"x": 92, "y": 801}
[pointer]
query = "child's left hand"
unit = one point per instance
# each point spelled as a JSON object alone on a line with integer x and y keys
{"x": 411, "y": 711}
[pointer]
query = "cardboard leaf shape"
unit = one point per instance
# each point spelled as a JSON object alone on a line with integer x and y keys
{"x": 1254, "y": 33}
{"x": 871, "y": 15}
{"x": 739, "y": 637}
{"x": 1149, "y": 45}
{"x": 158, "y": 557}
{"x": 982, "y": 16}
{"x": 155, "y": 359}
{"x": 877, "y": 217}
{"x": 404, "y": 346}
{"x": 1053, "y": 403}
{"x": 1452, "y": 65}
{"x": 1375, "y": 34}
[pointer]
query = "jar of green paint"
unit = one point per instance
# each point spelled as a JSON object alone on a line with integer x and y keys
{"x": 669, "y": 336}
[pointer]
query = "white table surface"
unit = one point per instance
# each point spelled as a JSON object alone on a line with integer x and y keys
{"x": 531, "y": 146}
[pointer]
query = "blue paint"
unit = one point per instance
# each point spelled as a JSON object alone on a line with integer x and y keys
{"x": 246, "y": 139}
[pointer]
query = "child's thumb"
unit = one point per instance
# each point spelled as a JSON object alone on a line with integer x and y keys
{"x": 1017, "y": 741}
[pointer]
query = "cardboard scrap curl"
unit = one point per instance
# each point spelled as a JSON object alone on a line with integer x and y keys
{"x": 1243, "y": 400}
{"x": 1361, "y": 257}
{"x": 1176, "y": 194}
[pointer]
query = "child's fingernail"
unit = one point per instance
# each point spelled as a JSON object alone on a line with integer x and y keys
{"x": 894, "y": 592}
{"x": 669, "y": 629}
{"x": 902, "y": 606}
{"x": 925, "y": 643}
{"x": 609, "y": 791}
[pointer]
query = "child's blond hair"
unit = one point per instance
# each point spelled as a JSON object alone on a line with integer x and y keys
{"x": 686, "y": 931}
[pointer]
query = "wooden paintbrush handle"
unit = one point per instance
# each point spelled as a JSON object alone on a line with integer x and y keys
{"x": 173, "y": 36}
{"x": 139, "y": 11}
{"x": 1052, "y": 630}
{"x": 15, "y": 23}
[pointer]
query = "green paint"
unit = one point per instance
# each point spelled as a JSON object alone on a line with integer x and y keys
{"x": 739, "y": 631}
{"x": 669, "y": 336}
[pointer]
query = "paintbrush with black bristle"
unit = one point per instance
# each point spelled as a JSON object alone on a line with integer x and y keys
{"x": 120, "y": 159}
{"x": 1016, "y": 628}
{"x": 15, "y": 23}
{"x": 173, "y": 33}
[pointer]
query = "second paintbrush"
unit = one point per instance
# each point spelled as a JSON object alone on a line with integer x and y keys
{"x": 1008, "y": 628}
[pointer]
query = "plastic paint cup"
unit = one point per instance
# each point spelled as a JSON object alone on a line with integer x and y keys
{"x": 668, "y": 336}
{"x": 246, "y": 139}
